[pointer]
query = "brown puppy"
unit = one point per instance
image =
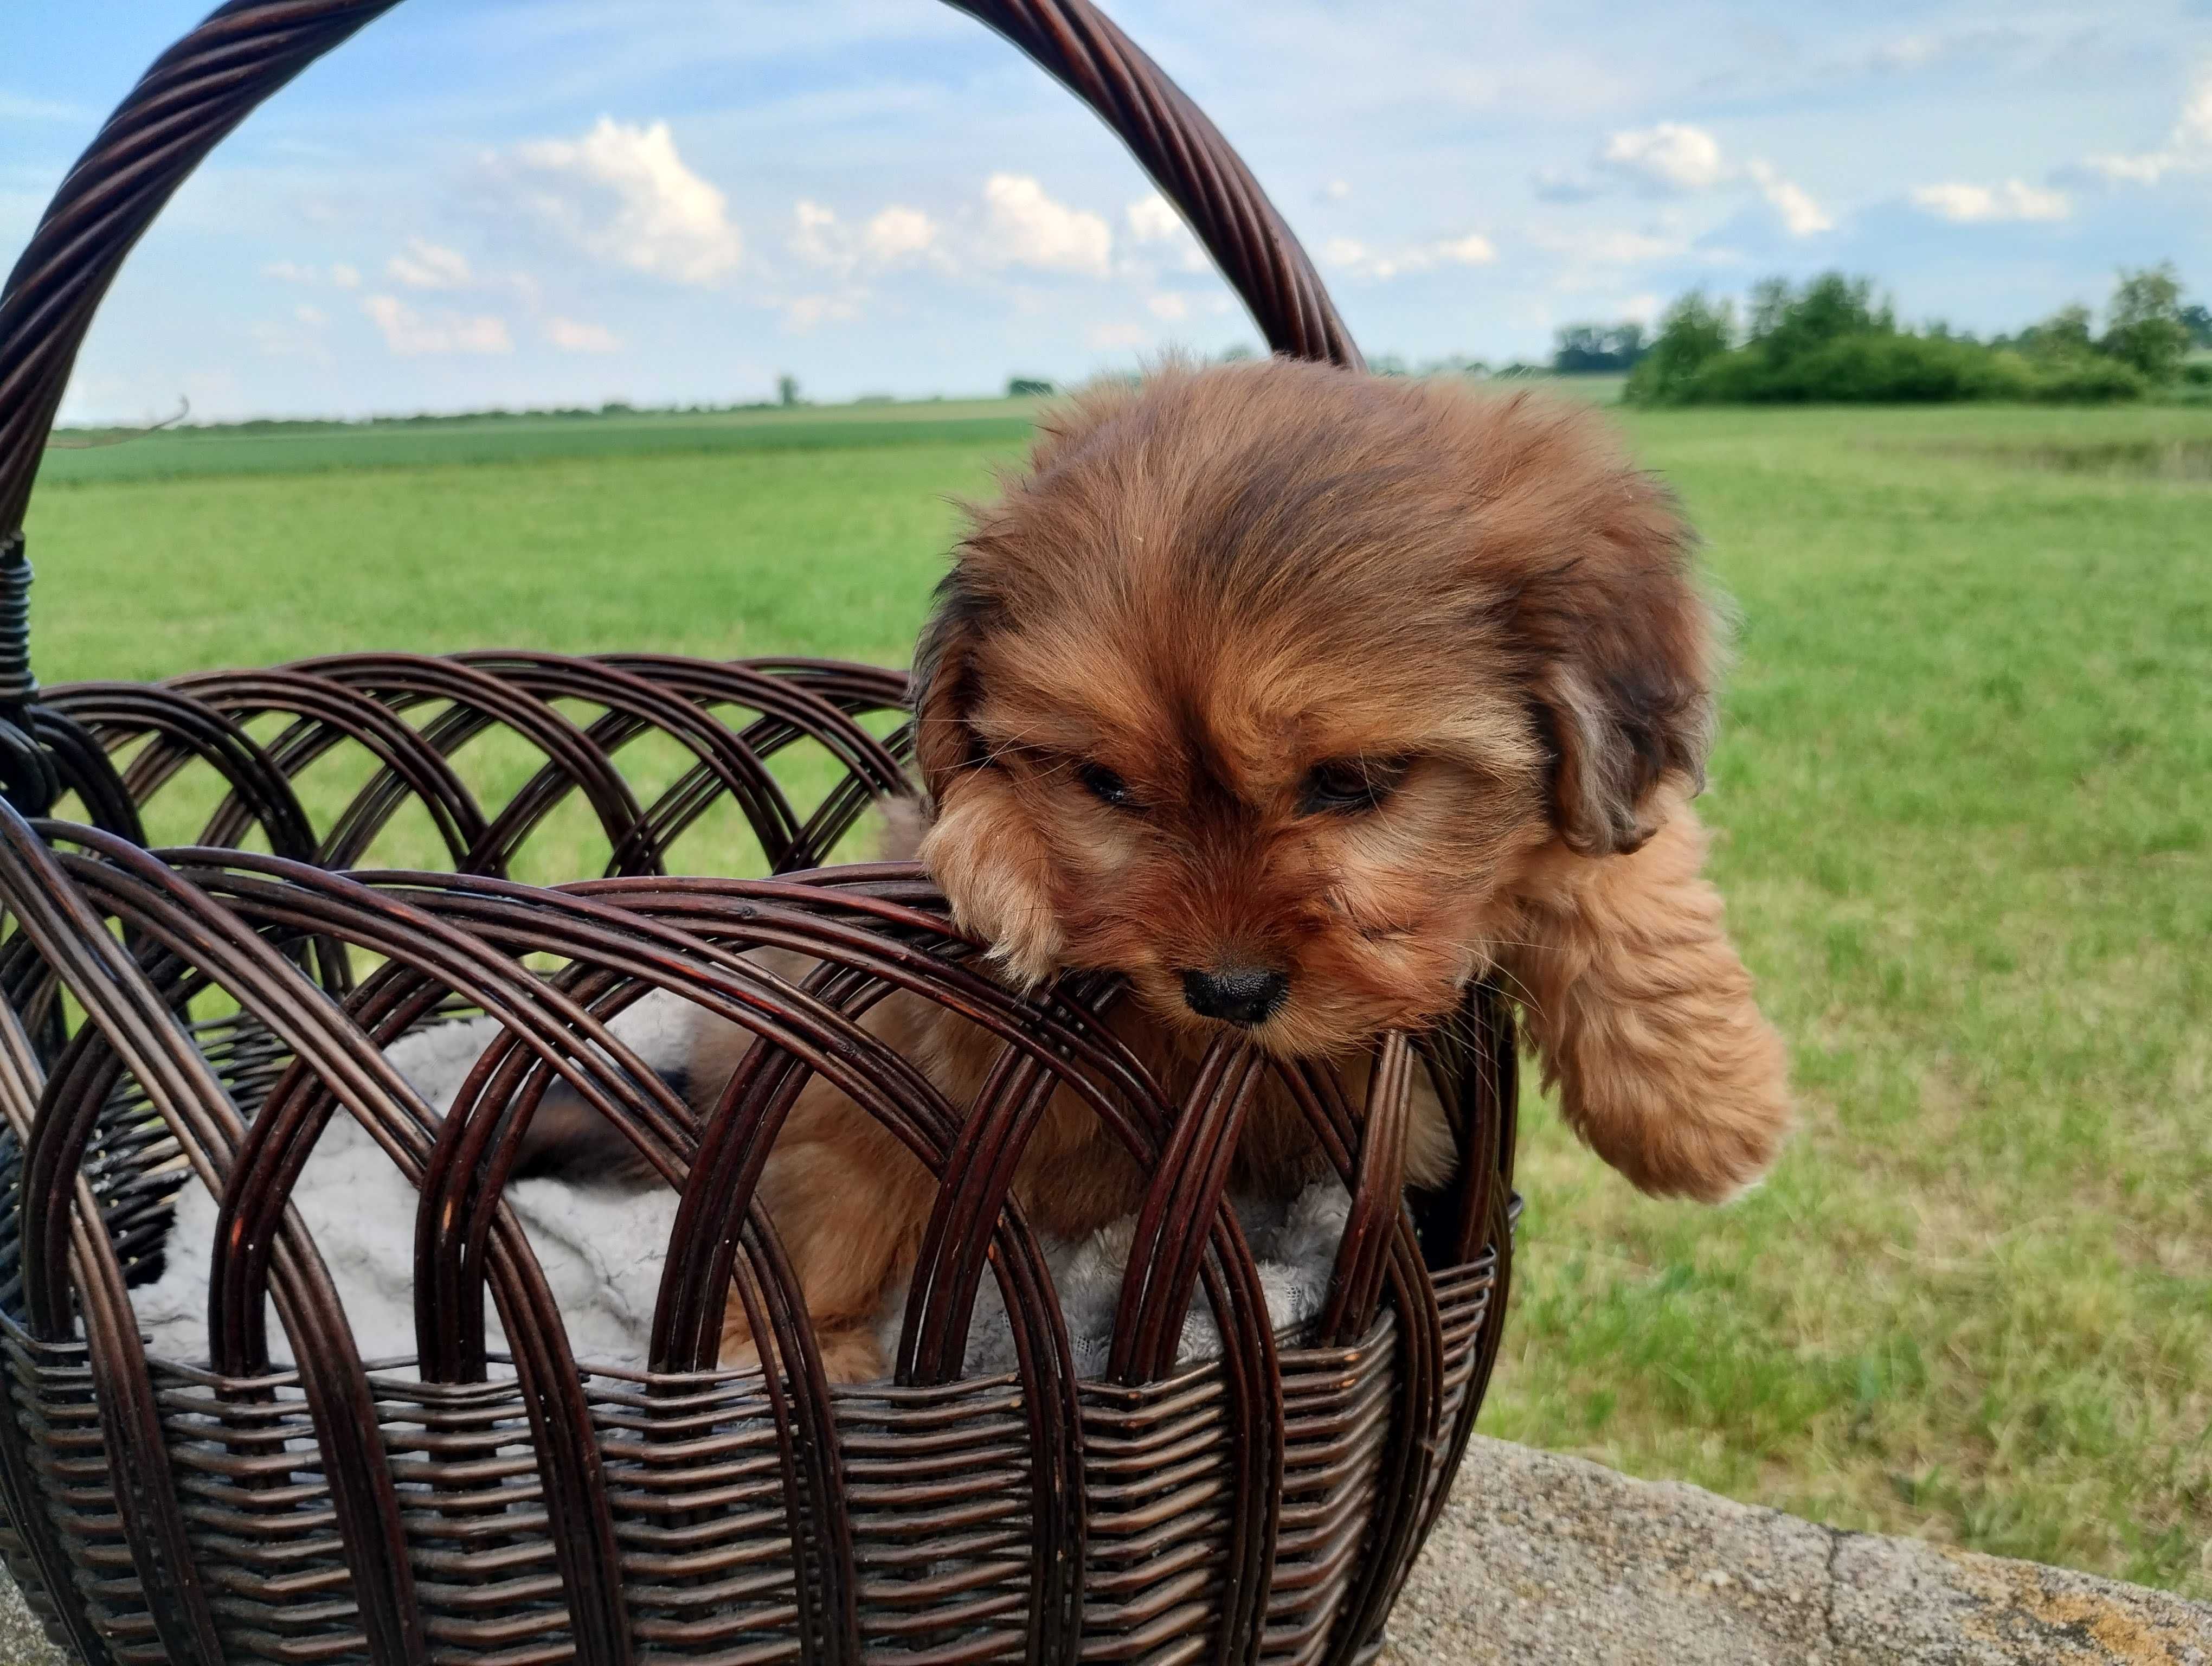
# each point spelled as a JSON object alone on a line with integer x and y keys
{"x": 1300, "y": 698}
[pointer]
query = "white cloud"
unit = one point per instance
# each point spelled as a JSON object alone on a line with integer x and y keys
{"x": 1672, "y": 156}
{"x": 1472, "y": 250}
{"x": 899, "y": 233}
{"x": 15, "y": 107}
{"x": 304, "y": 336}
{"x": 1154, "y": 219}
{"x": 1029, "y": 228}
{"x": 2013, "y": 199}
{"x": 1337, "y": 189}
{"x": 622, "y": 194}
{"x": 1167, "y": 305}
{"x": 1352, "y": 256}
{"x": 425, "y": 265}
{"x": 291, "y": 272}
{"x": 1155, "y": 222}
{"x": 572, "y": 336}
{"x": 2146, "y": 169}
{"x": 816, "y": 235}
{"x": 806, "y": 311}
{"x": 1980, "y": 45}
{"x": 1644, "y": 308}
{"x": 1596, "y": 259}
{"x": 2188, "y": 148}
{"x": 1116, "y": 337}
{"x": 896, "y": 235}
{"x": 1801, "y": 216}
{"x": 411, "y": 335}
{"x": 1604, "y": 246}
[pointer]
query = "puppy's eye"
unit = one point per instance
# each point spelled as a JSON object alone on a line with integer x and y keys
{"x": 1347, "y": 786}
{"x": 1103, "y": 784}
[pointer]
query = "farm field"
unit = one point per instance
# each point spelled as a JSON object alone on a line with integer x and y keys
{"x": 1964, "y": 804}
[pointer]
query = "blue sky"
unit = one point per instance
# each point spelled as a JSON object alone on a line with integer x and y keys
{"x": 534, "y": 201}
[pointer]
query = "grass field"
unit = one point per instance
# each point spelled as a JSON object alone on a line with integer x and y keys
{"x": 303, "y": 447}
{"x": 1967, "y": 833}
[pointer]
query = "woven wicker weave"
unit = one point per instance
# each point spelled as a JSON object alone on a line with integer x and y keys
{"x": 195, "y": 1016}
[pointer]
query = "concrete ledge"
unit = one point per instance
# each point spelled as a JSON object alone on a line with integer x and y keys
{"x": 1544, "y": 1559}
{"x": 1547, "y": 1559}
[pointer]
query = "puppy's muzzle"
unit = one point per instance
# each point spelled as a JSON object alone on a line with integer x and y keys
{"x": 1237, "y": 994}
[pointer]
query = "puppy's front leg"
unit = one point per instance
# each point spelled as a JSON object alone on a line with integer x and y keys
{"x": 850, "y": 1204}
{"x": 1644, "y": 1018}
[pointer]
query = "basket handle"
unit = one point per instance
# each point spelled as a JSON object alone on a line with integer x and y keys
{"x": 209, "y": 82}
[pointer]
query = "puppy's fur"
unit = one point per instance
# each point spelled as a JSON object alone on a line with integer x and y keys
{"x": 1377, "y": 685}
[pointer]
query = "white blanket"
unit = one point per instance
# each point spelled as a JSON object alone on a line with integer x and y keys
{"x": 603, "y": 1246}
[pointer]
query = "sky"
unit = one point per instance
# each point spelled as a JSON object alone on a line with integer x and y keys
{"x": 533, "y": 202}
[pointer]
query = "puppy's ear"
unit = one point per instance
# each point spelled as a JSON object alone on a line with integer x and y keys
{"x": 980, "y": 846}
{"x": 944, "y": 686}
{"x": 968, "y": 604}
{"x": 1620, "y": 680}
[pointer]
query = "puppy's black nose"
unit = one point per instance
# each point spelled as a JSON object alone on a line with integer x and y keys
{"x": 1237, "y": 994}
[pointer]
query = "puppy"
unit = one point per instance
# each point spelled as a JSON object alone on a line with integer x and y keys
{"x": 1298, "y": 699}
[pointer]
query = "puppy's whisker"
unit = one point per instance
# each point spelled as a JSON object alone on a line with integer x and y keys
{"x": 1522, "y": 993}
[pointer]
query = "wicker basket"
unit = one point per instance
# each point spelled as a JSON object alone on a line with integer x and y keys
{"x": 196, "y": 1016}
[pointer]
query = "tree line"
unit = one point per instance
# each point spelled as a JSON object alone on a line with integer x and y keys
{"x": 1835, "y": 339}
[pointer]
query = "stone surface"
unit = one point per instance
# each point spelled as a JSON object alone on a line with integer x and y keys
{"x": 1552, "y": 1561}
{"x": 1544, "y": 1559}
{"x": 22, "y": 1640}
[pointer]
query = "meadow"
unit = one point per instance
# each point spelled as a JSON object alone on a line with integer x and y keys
{"x": 1964, "y": 804}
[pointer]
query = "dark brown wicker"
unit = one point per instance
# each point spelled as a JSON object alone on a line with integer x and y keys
{"x": 195, "y": 1016}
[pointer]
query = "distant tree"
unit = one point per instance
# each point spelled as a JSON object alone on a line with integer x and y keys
{"x": 787, "y": 391}
{"x": 1587, "y": 347}
{"x": 2066, "y": 330}
{"x": 1788, "y": 325}
{"x": 2064, "y": 335}
{"x": 1769, "y": 300}
{"x": 1695, "y": 330}
{"x": 1028, "y": 387}
{"x": 2143, "y": 325}
{"x": 1239, "y": 353}
{"x": 2197, "y": 318}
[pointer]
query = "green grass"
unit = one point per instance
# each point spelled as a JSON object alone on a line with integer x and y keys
{"x": 296, "y": 448}
{"x": 1966, "y": 835}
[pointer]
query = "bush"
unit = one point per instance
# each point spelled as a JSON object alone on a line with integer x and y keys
{"x": 2087, "y": 378}
{"x": 1888, "y": 369}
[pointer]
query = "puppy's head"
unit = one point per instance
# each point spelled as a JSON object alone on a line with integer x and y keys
{"x": 1260, "y": 685}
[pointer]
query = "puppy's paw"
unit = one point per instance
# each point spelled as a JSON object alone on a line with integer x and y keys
{"x": 1646, "y": 1020}
{"x": 1703, "y": 1116}
{"x": 853, "y": 1355}
{"x": 850, "y": 1353}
